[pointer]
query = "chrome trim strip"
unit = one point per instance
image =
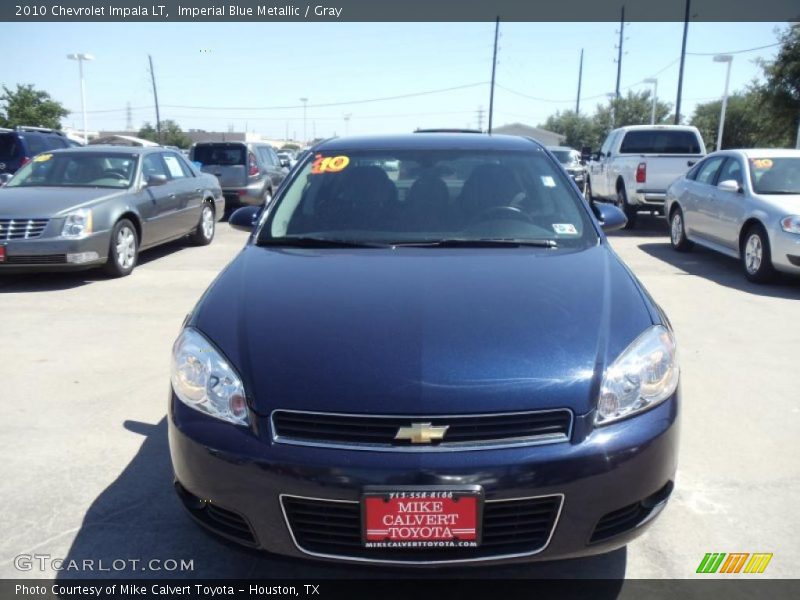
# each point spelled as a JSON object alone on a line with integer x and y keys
{"x": 422, "y": 562}
{"x": 445, "y": 447}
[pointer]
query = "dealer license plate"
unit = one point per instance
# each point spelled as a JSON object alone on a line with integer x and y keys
{"x": 421, "y": 517}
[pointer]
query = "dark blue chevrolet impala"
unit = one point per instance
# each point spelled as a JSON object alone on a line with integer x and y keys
{"x": 427, "y": 353}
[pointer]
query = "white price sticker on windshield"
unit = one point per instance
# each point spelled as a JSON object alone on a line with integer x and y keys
{"x": 548, "y": 181}
{"x": 565, "y": 229}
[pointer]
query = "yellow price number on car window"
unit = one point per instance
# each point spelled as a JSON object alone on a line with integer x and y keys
{"x": 42, "y": 158}
{"x": 329, "y": 164}
{"x": 762, "y": 164}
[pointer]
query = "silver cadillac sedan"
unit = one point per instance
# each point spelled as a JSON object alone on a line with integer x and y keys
{"x": 743, "y": 203}
{"x": 98, "y": 206}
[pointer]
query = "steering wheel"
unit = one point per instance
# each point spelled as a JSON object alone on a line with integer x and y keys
{"x": 504, "y": 212}
{"x": 116, "y": 173}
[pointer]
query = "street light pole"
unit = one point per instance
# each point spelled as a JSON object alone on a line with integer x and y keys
{"x": 80, "y": 57}
{"x": 654, "y": 81}
{"x": 723, "y": 58}
{"x": 305, "y": 103}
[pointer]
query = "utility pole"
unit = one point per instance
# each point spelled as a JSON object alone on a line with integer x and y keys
{"x": 347, "y": 122}
{"x": 128, "y": 117}
{"x": 494, "y": 69}
{"x": 580, "y": 80}
{"x": 619, "y": 55}
{"x": 305, "y": 104}
{"x": 480, "y": 118}
{"x": 155, "y": 98}
{"x": 683, "y": 59}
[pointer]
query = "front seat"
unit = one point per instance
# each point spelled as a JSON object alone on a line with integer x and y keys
{"x": 367, "y": 199}
{"x": 428, "y": 205}
{"x": 488, "y": 186}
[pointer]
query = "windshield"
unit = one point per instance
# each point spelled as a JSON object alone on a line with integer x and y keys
{"x": 84, "y": 169}
{"x": 775, "y": 175}
{"x": 419, "y": 196}
{"x": 567, "y": 157}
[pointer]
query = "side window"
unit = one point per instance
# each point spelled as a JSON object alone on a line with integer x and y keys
{"x": 607, "y": 144}
{"x": 153, "y": 165}
{"x": 709, "y": 170}
{"x": 35, "y": 143}
{"x": 732, "y": 170}
{"x": 174, "y": 167}
{"x": 266, "y": 158}
{"x": 275, "y": 160}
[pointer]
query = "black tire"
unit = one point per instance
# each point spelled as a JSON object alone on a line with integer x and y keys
{"x": 203, "y": 234}
{"x": 123, "y": 251}
{"x": 756, "y": 255}
{"x": 622, "y": 204}
{"x": 677, "y": 231}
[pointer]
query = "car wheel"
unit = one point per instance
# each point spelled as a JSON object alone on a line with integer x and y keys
{"x": 267, "y": 197}
{"x": 677, "y": 232}
{"x": 630, "y": 211}
{"x": 204, "y": 232}
{"x": 124, "y": 249}
{"x": 756, "y": 256}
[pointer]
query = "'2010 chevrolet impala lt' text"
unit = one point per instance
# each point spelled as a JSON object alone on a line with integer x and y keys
{"x": 426, "y": 353}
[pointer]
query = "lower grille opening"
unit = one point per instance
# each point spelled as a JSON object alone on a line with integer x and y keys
{"x": 221, "y": 520}
{"x": 509, "y": 527}
{"x": 629, "y": 517}
{"x": 36, "y": 259}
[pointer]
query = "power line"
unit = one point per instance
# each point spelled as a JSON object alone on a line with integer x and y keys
{"x": 734, "y": 51}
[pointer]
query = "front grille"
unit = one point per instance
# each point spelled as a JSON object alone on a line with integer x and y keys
{"x": 21, "y": 229}
{"x": 36, "y": 259}
{"x": 463, "y": 431}
{"x": 510, "y": 527}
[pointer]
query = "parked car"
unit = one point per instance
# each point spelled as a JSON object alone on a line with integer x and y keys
{"x": 18, "y": 146}
{"x": 286, "y": 159}
{"x": 438, "y": 370}
{"x": 249, "y": 173}
{"x": 572, "y": 162}
{"x": 743, "y": 203}
{"x": 636, "y": 164}
{"x": 99, "y": 206}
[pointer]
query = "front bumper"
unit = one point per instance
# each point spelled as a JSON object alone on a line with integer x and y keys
{"x": 597, "y": 473}
{"x": 55, "y": 253}
{"x": 785, "y": 248}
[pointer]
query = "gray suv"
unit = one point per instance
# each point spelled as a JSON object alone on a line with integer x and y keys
{"x": 248, "y": 172}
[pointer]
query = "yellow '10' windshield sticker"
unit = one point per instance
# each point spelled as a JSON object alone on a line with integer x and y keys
{"x": 329, "y": 164}
{"x": 42, "y": 158}
{"x": 762, "y": 164}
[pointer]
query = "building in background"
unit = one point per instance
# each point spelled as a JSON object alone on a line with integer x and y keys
{"x": 544, "y": 137}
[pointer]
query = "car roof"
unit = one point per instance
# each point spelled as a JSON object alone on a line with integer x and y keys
{"x": 562, "y": 148}
{"x": 109, "y": 149}
{"x": 429, "y": 141}
{"x": 760, "y": 152}
{"x": 657, "y": 127}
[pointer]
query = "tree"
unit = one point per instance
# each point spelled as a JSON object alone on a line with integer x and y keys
{"x": 634, "y": 109}
{"x": 578, "y": 128}
{"x": 745, "y": 123}
{"x": 29, "y": 106}
{"x": 781, "y": 90}
{"x": 171, "y": 134}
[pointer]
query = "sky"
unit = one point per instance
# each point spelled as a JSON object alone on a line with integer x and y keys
{"x": 217, "y": 76}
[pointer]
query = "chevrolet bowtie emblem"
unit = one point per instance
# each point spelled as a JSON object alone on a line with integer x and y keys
{"x": 421, "y": 433}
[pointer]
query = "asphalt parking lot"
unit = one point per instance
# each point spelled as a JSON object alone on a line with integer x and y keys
{"x": 86, "y": 471}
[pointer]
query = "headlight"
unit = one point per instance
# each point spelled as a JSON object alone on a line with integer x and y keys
{"x": 791, "y": 224}
{"x": 78, "y": 223}
{"x": 644, "y": 375}
{"x": 203, "y": 379}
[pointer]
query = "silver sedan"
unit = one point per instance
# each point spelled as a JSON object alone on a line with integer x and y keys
{"x": 743, "y": 203}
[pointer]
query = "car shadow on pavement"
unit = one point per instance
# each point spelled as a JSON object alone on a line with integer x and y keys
{"x": 722, "y": 270}
{"x": 139, "y": 518}
{"x": 647, "y": 225}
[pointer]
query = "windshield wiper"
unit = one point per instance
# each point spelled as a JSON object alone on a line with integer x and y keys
{"x": 317, "y": 242}
{"x": 480, "y": 243}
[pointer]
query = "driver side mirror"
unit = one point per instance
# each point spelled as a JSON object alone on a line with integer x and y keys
{"x": 154, "y": 180}
{"x": 730, "y": 185}
{"x": 245, "y": 218}
{"x": 610, "y": 217}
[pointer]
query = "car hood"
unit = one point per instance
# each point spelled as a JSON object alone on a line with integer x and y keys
{"x": 421, "y": 330}
{"x": 28, "y": 202}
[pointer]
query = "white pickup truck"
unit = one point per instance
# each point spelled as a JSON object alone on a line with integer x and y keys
{"x": 636, "y": 165}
